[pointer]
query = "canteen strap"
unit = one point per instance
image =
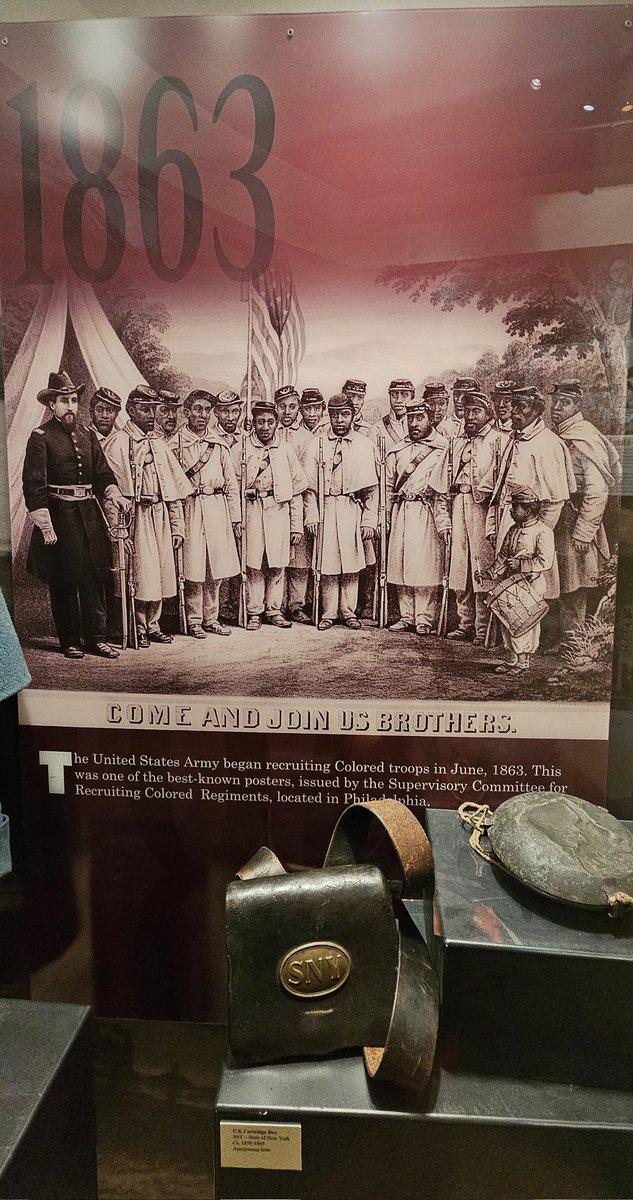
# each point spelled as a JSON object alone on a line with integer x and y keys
{"x": 404, "y": 831}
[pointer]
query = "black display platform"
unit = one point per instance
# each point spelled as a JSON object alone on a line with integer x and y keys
{"x": 47, "y": 1123}
{"x": 528, "y": 987}
{"x": 472, "y": 1138}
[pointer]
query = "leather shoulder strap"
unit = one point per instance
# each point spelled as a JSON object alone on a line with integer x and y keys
{"x": 404, "y": 831}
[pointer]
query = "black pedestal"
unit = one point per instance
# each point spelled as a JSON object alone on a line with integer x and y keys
{"x": 47, "y": 1125}
{"x": 529, "y": 987}
{"x": 472, "y": 1138}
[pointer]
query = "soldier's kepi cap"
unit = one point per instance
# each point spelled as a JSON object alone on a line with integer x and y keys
{"x": 285, "y": 392}
{"x": 340, "y": 400}
{"x": 421, "y": 405}
{"x": 570, "y": 388}
{"x": 171, "y": 399}
{"x": 526, "y": 393}
{"x": 504, "y": 387}
{"x": 312, "y": 396}
{"x": 104, "y": 395}
{"x": 227, "y": 397}
{"x": 464, "y": 383}
{"x": 522, "y": 494}
{"x": 401, "y": 385}
{"x": 200, "y": 394}
{"x": 263, "y": 406}
{"x": 354, "y": 385}
{"x": 144, "y": 395}
{"x": 433, "y": 390}
{"x": 59, "y": 384}
{"x": 478, "y": 400}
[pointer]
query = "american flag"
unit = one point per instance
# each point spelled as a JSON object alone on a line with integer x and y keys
{"x": 277, "y": 330}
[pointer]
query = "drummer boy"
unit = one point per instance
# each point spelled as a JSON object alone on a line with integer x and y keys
{"x": 528, "y": 552}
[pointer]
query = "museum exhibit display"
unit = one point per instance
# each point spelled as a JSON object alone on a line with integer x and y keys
{"x": 317, "y": 544}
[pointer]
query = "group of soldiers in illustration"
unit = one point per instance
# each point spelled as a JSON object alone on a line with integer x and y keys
{"x": 299, "y": 511}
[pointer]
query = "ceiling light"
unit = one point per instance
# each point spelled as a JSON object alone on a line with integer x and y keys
{"x": 589, "y": 107}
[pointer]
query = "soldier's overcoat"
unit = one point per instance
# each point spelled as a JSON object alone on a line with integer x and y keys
{"x": 469, "y": 461}
{"x": 214, "y": 507}
{"x": 351, "y": 499}
{"x": 276, "y": 476}
{"x": 416, "y": 553}
{"x": 597, "y": 472}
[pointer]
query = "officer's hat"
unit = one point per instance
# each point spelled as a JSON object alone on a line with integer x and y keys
{"x": 504, "y": 387}
{"x": 59, "y": 384}
{"x": 433, "y": 391}
{"x": 263, "y": 406}
{"x": 465, "y": 383}
{"x": 200, "y": 394}
{"x": 340, "y": 400}
{"x": 104, "y": 395}
{"x": 170, "y": 399}
{"x": 144, "y": 395}
{"x": 569, "y": 388}
{"x": 227, "y": 397}
{"x": 401, "y": 385}
{"x": 354, "y": 385}
{"x": 480, "y": 400}
{"x": 285, "y": 392}
{"x": 312, "y": 396}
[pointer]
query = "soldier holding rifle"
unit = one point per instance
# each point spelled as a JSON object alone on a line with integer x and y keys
{"x": 350, "y": 511}
{"x": 212, "y": 514}
{"x": 273, "y": 518}
{"x": 419, "y": 531}
{"x": 465, "y": 502}
{"x": 149, "y": 474}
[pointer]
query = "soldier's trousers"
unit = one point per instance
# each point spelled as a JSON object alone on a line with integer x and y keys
{"x": 264, "y": 590}
{"x": 202, "y": 600}
{"x": 74, "y": 605}
{"x": 297, "y": 579}
{"x": 473, "y": 613}
{"x": 148, "y": 615}
{"x": 339, "y": 596}
{"x": 419, "y": 606}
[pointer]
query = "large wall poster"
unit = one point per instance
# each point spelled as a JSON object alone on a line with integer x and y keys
{"x": 198, "y": 213}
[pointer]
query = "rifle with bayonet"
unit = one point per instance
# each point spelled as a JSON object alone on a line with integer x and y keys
{"x": 179, "y": 557}
{"x": 130, "y": 589}
{"x": 317, "y": 549}
{"x": 243, "y": 611}
{"x": 442, "y": 624}
{"x": 491, "y": 628}
{"x": 382, "y": 526}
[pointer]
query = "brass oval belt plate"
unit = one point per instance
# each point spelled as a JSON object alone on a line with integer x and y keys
{"x": 315, "y": 969}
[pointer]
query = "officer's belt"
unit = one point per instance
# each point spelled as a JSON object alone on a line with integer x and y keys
{"x": 147, "y": 501}
{"x": 253, "y": 494}
{"x": 399, "y": 498}
{"x": 209, "y": 491}
{"x": 77, "y": 491}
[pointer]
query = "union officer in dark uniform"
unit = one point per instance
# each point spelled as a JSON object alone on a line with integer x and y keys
{"x": 64, "y": 472}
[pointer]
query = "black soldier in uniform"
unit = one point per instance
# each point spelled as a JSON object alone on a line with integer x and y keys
{"x": 64, "y": 471}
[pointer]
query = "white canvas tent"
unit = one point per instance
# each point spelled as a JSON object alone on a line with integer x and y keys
{"x": 41, "y": 352}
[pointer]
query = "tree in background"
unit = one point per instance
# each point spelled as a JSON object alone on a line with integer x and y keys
{"x": 569, "y": 304}
{"x": 138, "y": 322}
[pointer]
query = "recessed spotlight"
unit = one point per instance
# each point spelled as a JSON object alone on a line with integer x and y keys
{"x": 589, "y": 108}
{"x": 628, "y": 107}
{"x": 536, "y": 85}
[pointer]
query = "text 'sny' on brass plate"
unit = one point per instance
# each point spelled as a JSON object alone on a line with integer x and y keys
{"x": 315, "y": 969}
